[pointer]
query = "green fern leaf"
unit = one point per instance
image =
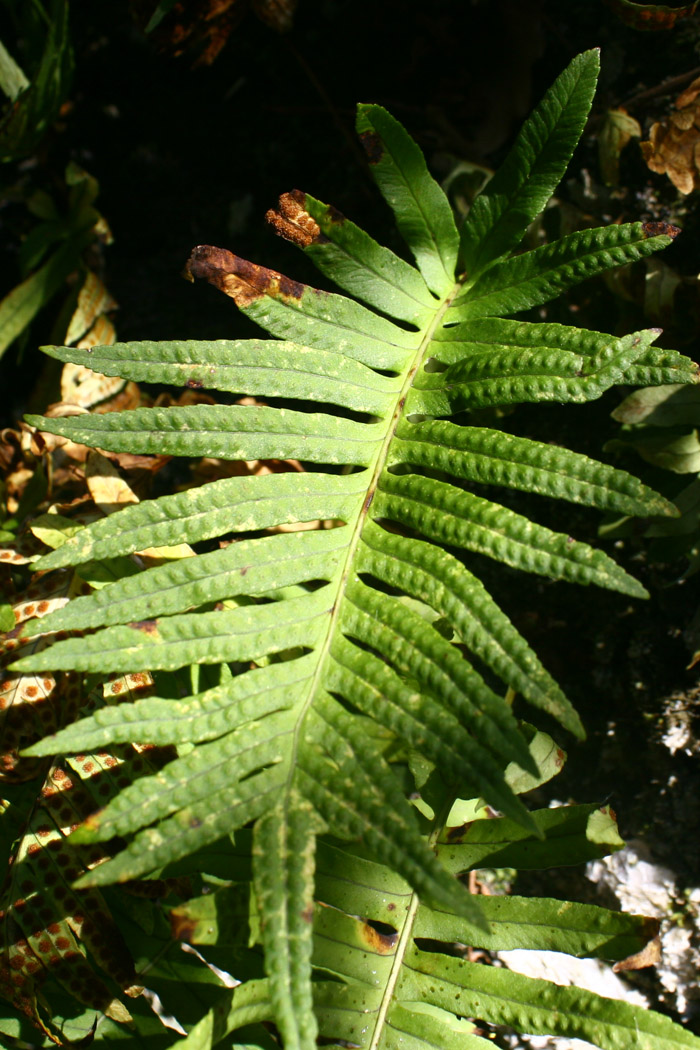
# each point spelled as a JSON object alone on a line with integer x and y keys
{"x": 536, "y": 1006}
{"x": 232, "y": 432}
{"x": 283, "y": 863}
{"x": 422, "y": 211}
{"x": 357, "y": 264}
{"x": 274, "y": 369}
{"x": 537, "y": 276}
{"x": 334, "y": 673}
{"x": 533, "y": 169}
{"x": 390, "y": 968}
{"x": 569, "y": 835}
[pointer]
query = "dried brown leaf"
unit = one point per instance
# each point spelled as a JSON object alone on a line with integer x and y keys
{"x": 81, "y": 386}
{"x": 94, "y": 301}
{"x": 650, "y": 955}
{"x": 201, "y": 28}
{"x": 673, "y": 146}
{"x": 109, "y": 490}
{"x": 650, "y": 16}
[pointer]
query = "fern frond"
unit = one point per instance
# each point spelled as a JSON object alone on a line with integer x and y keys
{"x": 533, "y": 169}
{"x": 390, "y": 968}
{"x": 537, "y": 276}
{"x": 337, "y": 640}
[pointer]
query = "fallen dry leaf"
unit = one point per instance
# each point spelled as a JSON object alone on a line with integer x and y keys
{"x": 673, "y": 147}
{"x": 94, "y": 302}
{"x": 202, "y": 28}
{"x": 109, "y": 490}
{"x": 650, "y": 16}
{"x": 81, "y": 386}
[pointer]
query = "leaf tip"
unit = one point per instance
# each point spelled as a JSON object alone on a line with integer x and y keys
{"x": 292, "y": 221}
{"x": 575, "y": 725}
{"x": 40, "y": 749}
{"x": 85, "y": 833}
{"x": 245, "y": 282}
{"x": 660, "y": 229}
{"x": 35, "y": 421}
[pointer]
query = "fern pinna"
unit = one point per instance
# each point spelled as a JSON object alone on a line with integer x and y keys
{"x": 328, "y": 678}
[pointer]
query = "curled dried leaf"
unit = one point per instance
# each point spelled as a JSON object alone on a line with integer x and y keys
{"x": 292, "y": 221}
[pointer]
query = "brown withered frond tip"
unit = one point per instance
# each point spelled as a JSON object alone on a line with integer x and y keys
{"x": 293, "y": 222}
{"x": 245, "y": 282}
{"x": 660, "y": 229}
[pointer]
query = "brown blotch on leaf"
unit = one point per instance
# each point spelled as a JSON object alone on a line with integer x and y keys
{"x": 147, "y": 626}
{"x": 457, "y": 834}
{"x": 660, "y": 229}
{"x": 336, "y": 217}
{"x": 183, "y": 929}
{"x": 245, "y": 282}
{"x": 194, "y": 384}
{"x": 293, "y": 221}
{"x": 381, "y": 943}
{"x": 373, "y": 146}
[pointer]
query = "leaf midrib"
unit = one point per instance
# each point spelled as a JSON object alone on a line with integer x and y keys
{"x": 346, "y": 570}
{"x": 406, "y": 935}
